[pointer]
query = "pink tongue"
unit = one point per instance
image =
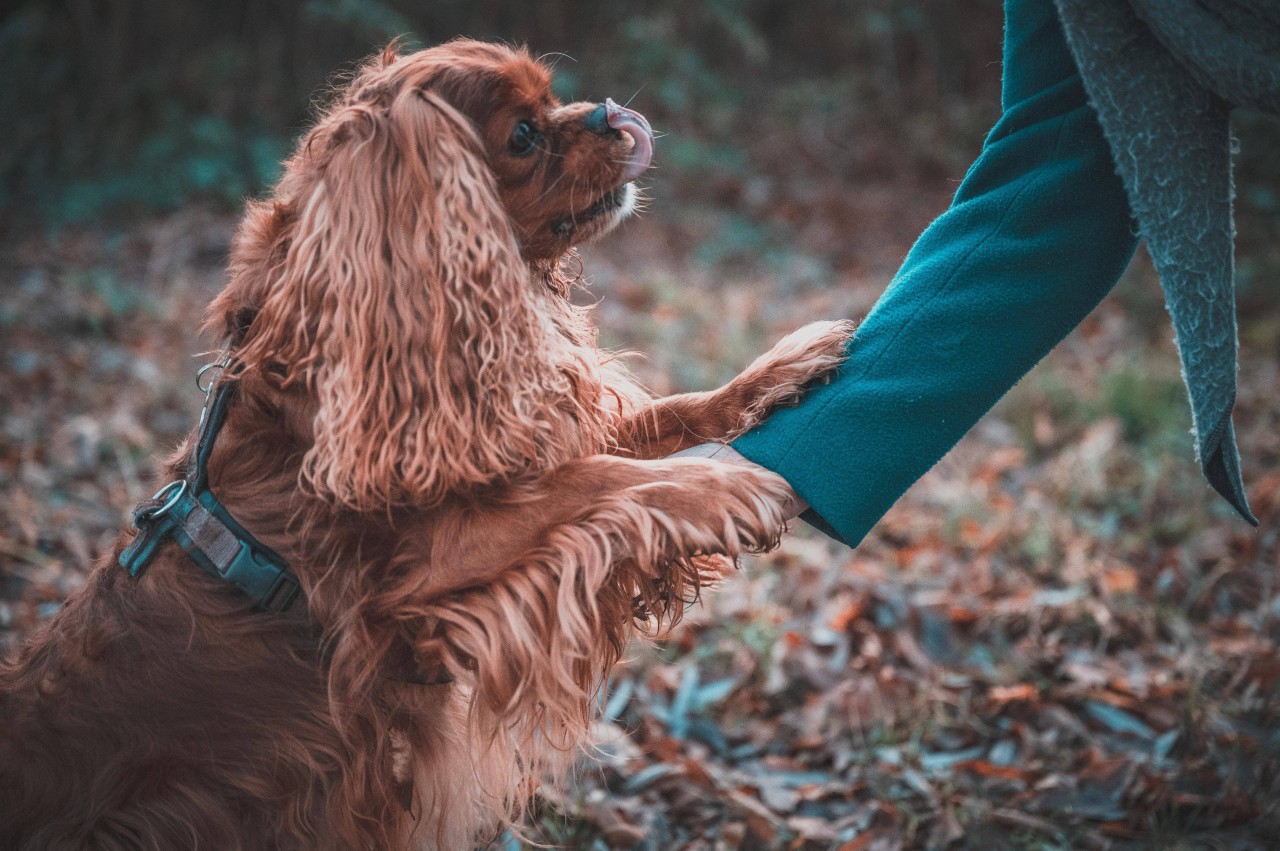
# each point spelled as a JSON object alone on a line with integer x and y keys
{"x": 634, "y": 125}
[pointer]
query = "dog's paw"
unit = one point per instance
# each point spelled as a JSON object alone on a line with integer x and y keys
{"x": 780, "y": 377}
{"x": 809, "y": 353}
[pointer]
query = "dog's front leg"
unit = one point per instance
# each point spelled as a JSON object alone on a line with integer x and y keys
{"x": 775, "y": 379}
{"x": 530, "y": 596}
{"x": 661, "y": 509}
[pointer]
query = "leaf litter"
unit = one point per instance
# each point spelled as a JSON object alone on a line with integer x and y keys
{"x": 1055, "y": 640}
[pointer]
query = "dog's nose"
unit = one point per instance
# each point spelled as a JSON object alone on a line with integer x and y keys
{"x": 597, "y": 120}
{"x": 630, "y": 123}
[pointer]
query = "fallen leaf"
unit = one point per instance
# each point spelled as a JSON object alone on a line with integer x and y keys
{"x": 1120, "y": 580}
{"x": 1009, "y": 694}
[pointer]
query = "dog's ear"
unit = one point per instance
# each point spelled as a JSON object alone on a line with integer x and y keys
{"x": 401, "y": 299}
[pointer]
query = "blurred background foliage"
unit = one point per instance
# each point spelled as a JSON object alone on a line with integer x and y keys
{"x": 119, "y": 104}
{"x": 127, "y": 106}
{"x": 770, "y": 109}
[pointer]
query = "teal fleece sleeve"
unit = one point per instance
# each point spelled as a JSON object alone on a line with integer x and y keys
{"x": 1039, "y": 231}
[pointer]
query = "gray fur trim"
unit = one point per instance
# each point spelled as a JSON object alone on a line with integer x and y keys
{"x": 1170, "y": 138}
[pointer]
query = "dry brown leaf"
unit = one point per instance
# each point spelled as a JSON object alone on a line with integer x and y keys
{"x": 1009, "y": 694}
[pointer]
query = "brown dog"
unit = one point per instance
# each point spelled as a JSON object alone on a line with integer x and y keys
{"x": 451, "y": 505}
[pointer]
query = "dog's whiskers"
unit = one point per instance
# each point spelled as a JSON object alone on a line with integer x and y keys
{"x": 634, "y": 96}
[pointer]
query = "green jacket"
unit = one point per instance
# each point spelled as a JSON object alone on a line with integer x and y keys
{"x": 1039, "y": 231}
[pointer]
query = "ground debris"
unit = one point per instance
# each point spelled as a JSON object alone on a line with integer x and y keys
{"x": 1055, "y": 640}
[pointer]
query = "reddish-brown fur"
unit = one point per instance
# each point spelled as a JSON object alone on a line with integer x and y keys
{"x": 426, "y": 431}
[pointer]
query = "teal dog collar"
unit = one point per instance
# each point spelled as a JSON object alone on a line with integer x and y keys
{"x": 187, "y": 512}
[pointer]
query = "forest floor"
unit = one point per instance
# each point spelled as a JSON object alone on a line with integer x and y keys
{"x": 1057, "y": 639}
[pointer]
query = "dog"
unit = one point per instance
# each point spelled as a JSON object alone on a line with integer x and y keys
{"x": 423, "y": 511}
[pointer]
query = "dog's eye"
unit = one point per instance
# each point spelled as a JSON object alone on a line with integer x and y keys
{"x": 524, "y": 138}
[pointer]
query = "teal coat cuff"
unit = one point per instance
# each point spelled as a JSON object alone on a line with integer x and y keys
{"x": 1039, "y": 231}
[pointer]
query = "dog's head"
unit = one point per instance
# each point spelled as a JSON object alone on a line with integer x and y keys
{"x": 399, "y": 272}
{"x": 563, "y": 172}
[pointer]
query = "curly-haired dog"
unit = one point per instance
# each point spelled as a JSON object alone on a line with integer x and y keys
{"x": 422, "y": 513}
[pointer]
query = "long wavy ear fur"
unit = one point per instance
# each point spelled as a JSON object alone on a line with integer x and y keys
{"x": 387, "y": 277}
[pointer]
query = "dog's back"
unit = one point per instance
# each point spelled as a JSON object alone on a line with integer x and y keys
{"x": 179, "y": 729}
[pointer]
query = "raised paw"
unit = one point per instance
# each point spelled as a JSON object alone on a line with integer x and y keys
{"x": 779, "y": 377}
{"x": 721, "y": 507}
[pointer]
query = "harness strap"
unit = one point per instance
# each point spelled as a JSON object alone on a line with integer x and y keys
{"x": 187, "y": 512}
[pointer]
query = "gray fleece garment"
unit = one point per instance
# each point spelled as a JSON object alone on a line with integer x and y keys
{"x": 1163, "y": 76}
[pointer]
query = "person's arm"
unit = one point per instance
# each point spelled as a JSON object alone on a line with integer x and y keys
{"x": 1038, "y": 233}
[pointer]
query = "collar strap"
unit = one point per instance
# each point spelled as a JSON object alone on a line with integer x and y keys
{"x": 187, "y": 512}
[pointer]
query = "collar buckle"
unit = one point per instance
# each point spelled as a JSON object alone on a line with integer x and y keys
{"x": 189, "y": 513}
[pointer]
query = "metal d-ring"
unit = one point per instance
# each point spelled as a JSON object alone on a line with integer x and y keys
{"x": 170, "y": 494}
{"x": 218, "y": 365}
